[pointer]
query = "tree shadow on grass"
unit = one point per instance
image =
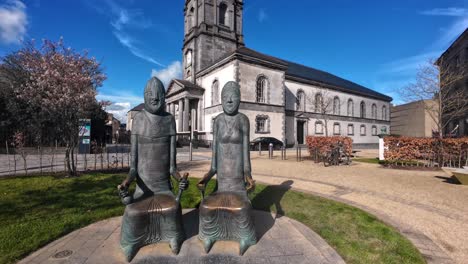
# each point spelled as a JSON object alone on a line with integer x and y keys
{"x": 270, "y": 196}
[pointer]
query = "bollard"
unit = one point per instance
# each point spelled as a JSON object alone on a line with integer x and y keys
{"x": 270, "y": 151}
{"x": 259, "y": 148}
{"x": 282, "y": 153}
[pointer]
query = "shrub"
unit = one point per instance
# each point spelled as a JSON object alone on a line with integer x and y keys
{"x": 321, "y": 147}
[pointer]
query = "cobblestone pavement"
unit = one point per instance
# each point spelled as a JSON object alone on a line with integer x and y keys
{"x": 281, "y": 240}
{"x": 424, "y": 206}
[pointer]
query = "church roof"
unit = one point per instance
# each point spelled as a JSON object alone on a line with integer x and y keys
{"x": 315, "y": 75}
{"x": 138, "y": 107}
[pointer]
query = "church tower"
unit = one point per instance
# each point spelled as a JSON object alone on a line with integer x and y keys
{"x": 213, "y": 29}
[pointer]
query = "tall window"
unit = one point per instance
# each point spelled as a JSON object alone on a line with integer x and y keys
{"x": 223, "y": 14}
{"x": 300, "y": 101}
{"x": 215, "y": 93}
{"x": 363, "y": 130}
{"x": 318, "y": 127}
{"x": 318, "y": 103}
{"x": 363, "y": 110}
{"x": 350, "y": 130}
{"x": 336, "y": 105}
{"x": 261, "y": 124}
{"x": 384, "y": 112}
{"x": 336, "y": 129}
{"x": 374, "y": 130}
{"x": 191, "y": 18}
{"x": 262, "y": 86}
{"x": 350, "y": 107}
{"x": 374, "y": 111}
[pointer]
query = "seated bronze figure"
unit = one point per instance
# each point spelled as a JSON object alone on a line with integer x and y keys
{"x": 226, "y": 214}
{"x": 153, "y": 214}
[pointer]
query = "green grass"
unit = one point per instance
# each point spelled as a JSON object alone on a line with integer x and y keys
{"x": 367, "y": 160}
{"x": 37, "y": 210}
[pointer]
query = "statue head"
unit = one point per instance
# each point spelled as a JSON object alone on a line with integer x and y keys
{"x": 230, "y": 98}
{"x": 155, "y": 96}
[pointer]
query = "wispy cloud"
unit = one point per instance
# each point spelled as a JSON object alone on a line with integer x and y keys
{"x": 410, "y": 64}
{"x": 119, "y": 110}
{"x": 13, "y": 21}
{"x": 125, "y": 22}
{"x": 173, "y": 71}
{"x": 262, "y": 15}
{"x": 450, "y": 11}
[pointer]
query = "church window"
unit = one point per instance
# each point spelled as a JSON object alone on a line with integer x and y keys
{"x": 191, "y": 18}
{"x": 374, "y": 130}
{"x": 188, "y": 58}
{"x": 350, "y": 107}
{"x": 319, "y": 128}
{"x": 363, "y": 130}
{"x": 300, "y": 101}
{"x": 384, "y": 112}
{"x": 336, "y": 105}
{"x": 363, "y": 110}
{"x": 215, "y": 93}
{"x": 262, "y": 124}
{"x": 223, "y": 14}
{"x": 374, "y": 111}
{"x": 262, "y": 86}
{"x": 319, "y": 103}
{"x": 336, "y": 129}
{"x": 350, "y": 130}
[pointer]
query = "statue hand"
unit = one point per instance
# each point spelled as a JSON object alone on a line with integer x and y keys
{"x": 175, "y": 174}
{"x": 123, "y": 193}
{"x": 184, "y": 183}
{"x": 250, "y": 184}
{"x": 201, "y": 185}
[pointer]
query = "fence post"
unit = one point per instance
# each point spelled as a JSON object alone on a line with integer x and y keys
{"x": 8, "y": 155}
{"x": 259, "y": 148}
{"x": 39, "y": 152}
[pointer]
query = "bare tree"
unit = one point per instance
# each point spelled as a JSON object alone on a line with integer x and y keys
{"x": 439, "y": 87}
{"x": 325, "y": 104}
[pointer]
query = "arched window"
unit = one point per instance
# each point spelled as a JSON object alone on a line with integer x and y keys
{"x": 223, "y": 14}
{"x": 191, "y": 18}
{"x": 350, "y": 130}
{"x": 319, "y": 103}
{"x": 262, "y": 124}
{"x": 384, "y": 112}
{"x": 363, "y": 110}
{"x": 215, "y": 93}
{"x": 363, "y": 130}
{"x": 336, "y": 129}
{"x": 374, "y": 111}
{"x": 350, "y": 107}
{"x": 300, "y": 101}
{"x": 319, "y": 128}
{"x": 336, "y": 105}
{"x": 262, "y": 86}
{"x": 374, "y": 130}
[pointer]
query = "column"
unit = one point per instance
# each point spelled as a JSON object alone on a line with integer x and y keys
{"x": 172, "y": 109}
{"x": 186, "y": 114}
{"x": 200, "y": 113}
{"x": 180, "y": 117}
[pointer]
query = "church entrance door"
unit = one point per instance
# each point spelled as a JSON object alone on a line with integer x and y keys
{"x": 300, "y": 132}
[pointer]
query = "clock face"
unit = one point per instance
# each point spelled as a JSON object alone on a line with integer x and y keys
{"x": 188, "y": 58}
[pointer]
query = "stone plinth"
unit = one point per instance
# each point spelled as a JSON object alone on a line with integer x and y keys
{"x": 281, "y": 240}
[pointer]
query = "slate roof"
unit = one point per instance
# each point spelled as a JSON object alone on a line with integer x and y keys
{"x": 309, "y": 73}
{"x": 138, "y": 107}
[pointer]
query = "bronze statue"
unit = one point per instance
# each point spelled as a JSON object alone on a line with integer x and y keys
{"x": 226, "y": 214}
{"x": 153, "y": 214}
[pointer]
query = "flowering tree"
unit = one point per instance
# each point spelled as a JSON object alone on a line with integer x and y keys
{"x": 53, "y": 85}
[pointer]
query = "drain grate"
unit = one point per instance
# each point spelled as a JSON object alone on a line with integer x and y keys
{"x": 63, "y": 254}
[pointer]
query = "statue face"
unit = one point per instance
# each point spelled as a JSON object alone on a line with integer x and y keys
{"x": 154, "y": 96}
{"x": 230, "y": 98}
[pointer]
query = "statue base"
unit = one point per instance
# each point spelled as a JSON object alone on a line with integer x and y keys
{"x": 280, "y": 240}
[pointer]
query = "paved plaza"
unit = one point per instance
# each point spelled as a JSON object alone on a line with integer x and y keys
{"x": 281, "y": 240}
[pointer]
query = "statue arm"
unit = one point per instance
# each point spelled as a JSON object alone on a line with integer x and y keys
{"x": 173, "y": 154}
{"x": 246, "y": 154}
{"x": 123, "y": 187}
{"x": 213, "y": 168}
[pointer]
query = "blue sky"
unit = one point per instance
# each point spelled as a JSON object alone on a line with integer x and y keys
{"x": 378, "y": 44}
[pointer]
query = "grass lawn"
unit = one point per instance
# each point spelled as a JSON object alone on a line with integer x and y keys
{"x": 37, "y": 210}
{"x": 367, "y": 160}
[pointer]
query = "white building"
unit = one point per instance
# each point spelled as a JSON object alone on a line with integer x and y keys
{"x": 282, "y": 99}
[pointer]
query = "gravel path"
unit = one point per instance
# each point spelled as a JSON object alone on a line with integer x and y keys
{"x": 423, "y": 205}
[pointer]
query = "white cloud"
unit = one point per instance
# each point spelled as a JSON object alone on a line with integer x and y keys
{"x": 129, "y": 42}
{"x": 173, "y": 71}
{"x": 450, "y": 11}
{"x": 262, "y": 15}
{"x": 13, "y": 21}
{"x": 119, "y": 110}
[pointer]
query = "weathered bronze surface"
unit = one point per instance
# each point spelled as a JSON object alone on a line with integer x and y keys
{"x": 152, "y": 213}
{"x": 226, "y": 214}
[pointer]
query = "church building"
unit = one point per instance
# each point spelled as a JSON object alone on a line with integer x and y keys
{"x": 282, "y": 99}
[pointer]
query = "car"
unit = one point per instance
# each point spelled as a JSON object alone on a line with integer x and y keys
{"x": 265, "y": 142}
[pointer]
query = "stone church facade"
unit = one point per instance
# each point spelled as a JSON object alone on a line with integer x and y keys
{"x": 282, "y": 99}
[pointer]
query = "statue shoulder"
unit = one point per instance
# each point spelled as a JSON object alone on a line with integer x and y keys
{"x": 243, "y": 117}
{"x": 138, "y": 123}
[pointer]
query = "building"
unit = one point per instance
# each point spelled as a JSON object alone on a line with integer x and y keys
{"x": 282, "y": 99}
{"x": 413, "y": 119}
{"x": 455, "y": 59}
